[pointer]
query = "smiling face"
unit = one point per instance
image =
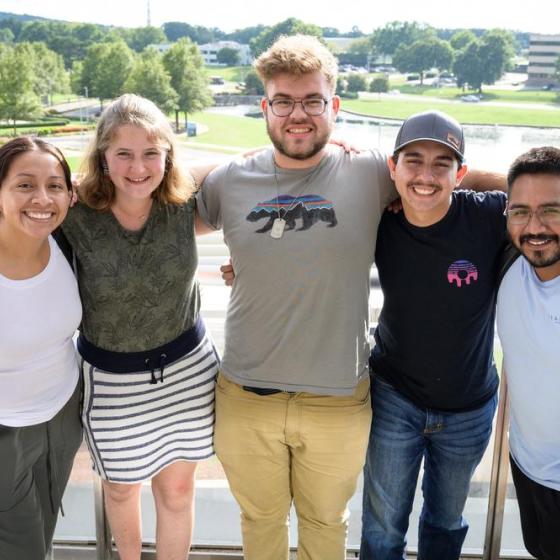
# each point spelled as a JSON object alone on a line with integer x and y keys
{"x": 539, "y": 242}
{"x": 34, "y": 196}
{"x": 299, "y": 139}
{"x": 136, "y": 163}
{"x": 425, "y": 175}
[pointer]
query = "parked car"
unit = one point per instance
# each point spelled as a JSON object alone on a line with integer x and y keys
{"x": 470, "y": 98}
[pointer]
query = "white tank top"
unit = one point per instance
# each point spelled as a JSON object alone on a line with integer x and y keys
{"x": 38, "y": 360}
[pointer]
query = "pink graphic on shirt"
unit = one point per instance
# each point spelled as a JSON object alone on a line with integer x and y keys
{"x": 462, "y": 271}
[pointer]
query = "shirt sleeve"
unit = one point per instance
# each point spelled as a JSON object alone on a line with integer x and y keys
{"x": 387, "y": 189}
{"x": 209, "y": 197}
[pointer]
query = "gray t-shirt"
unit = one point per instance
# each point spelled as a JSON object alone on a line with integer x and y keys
{"x": 138, "y": 288}
{"x": 298, "y": 315}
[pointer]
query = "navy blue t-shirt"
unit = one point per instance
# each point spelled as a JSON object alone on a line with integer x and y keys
{"x": 434, "y": 339}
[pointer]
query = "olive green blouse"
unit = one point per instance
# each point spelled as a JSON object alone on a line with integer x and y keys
{"x": 138, "y": 287}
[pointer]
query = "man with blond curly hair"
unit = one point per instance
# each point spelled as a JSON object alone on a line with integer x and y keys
{"x": 292, "y": 401}
{"x": 300, "y": 220}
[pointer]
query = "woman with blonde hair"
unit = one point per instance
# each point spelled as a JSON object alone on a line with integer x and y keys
{"x": 149, "y": 366}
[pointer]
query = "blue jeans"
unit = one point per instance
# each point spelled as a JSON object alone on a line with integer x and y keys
{"x": 402, "y": 434}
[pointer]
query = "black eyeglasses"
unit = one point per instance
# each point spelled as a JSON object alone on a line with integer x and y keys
{"x": 284, "y": 107}
{"x": 547, "y": 215}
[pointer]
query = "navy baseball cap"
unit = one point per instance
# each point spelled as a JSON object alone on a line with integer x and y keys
{"x": 434, "y": 126}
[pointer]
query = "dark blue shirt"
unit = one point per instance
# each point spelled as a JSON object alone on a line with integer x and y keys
{"x": 434, "y": 340}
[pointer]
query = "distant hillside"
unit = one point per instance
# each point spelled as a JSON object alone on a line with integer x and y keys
{"x": 22, "y": 17}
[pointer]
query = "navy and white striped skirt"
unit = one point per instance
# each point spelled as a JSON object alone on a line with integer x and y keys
{"x": 134, "y": 427}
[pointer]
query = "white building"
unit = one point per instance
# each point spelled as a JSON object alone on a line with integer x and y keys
{"x": 544, "y": 51}
{"x": 209, "y": 51}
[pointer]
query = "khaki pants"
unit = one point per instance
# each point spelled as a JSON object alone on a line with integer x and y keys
{"x": 292, "y": 446}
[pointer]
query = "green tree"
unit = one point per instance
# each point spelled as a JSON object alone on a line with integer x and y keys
{"x": 387, "y": 39}
{"x": 141, "y": 37}
{"x": 6, "y": 35}
{"x": 484, "y": 61}
{"x": 460, "y": 39}
{"x": 18, "y": 99}
{"x": 496, "y": 50}
{"x": 253, "y": 84}
{"x": 356, "y": 83}
{"x": 228, "y": 56}
{"x": 83, "y": 36}
{"x": 361, "y": 46}
{"x": 468, "y": 67}
{"x": 175, "y": 30}
{"x": 14, "y": 25}
{"x": 106, "y": 68}
{"x": 423, "y": 55}
{"x": 379, "y": 84}
{"x": 37, "y": 31}
{"x": 290, "y": 26}
{"x": 70, "y": 40}
{"x": 245, "y": 35}
{"x": 50, "y": 76}
{"x": 150, "y": 79}
{"x": 76, "y": 77}
{"x": 185, "y": 65}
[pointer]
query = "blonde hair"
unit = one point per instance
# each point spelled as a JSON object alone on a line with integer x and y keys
{"x": 96, "y": 189}
{"x": 297, "y": 55}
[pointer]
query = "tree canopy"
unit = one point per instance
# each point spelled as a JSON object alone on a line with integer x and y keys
{"x": 185, "y": 67}
{"x": 290, "y": 26}
{"x": 386, "y": 40}
{"x": 483, "y": 61}
{"x": 423, "y": 55}
{"x": 150, "y": 79}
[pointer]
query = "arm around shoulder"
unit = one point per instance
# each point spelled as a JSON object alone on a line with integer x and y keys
{"x": 481, "y": 180}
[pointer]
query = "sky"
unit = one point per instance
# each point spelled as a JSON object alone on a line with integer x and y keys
{"x": 540, "y": 16}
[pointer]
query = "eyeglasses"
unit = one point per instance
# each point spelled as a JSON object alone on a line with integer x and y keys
{"x": 284, "y": 107}
{"x": 547, "y": 215}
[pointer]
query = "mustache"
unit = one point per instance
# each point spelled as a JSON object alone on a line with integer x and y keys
{"x": 537, "y": 237}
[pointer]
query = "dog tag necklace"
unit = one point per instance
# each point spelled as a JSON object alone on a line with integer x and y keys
{"x": 279, "y": 223}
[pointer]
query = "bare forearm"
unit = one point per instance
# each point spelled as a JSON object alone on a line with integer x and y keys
{"x": 480, "y": 180}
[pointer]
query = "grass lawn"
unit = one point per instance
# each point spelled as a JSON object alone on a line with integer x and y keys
{"x": 63, "y": 98}
{"x": 475, "y": 113}
{"x": 228, "y": 130}
{"x": 228, "y": 73}
{"x": 515, "y": 96}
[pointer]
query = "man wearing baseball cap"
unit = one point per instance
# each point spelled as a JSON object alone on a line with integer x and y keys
{"x": 433, "y": 377}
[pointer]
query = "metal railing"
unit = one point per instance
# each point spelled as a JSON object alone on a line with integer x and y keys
{"x": 212, "y": 253}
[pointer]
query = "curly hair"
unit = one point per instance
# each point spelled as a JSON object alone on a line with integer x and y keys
{"x": 96, "y": 189}
{"x": 297, "y": 55}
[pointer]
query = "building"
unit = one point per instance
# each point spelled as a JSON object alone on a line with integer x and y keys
{"x": 544, "y": 51}
{"x": 209, "y": 52}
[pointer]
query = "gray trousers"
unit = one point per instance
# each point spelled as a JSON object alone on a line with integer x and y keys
{"x": 35, "y": 464}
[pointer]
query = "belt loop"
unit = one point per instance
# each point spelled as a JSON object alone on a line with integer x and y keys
{"x": 162, "y": 358}
{"x": 153, "y": 380}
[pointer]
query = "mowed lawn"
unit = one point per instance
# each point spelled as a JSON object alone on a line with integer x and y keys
{"x": 466, "y": 113}
{"x": 229, "y": 131}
